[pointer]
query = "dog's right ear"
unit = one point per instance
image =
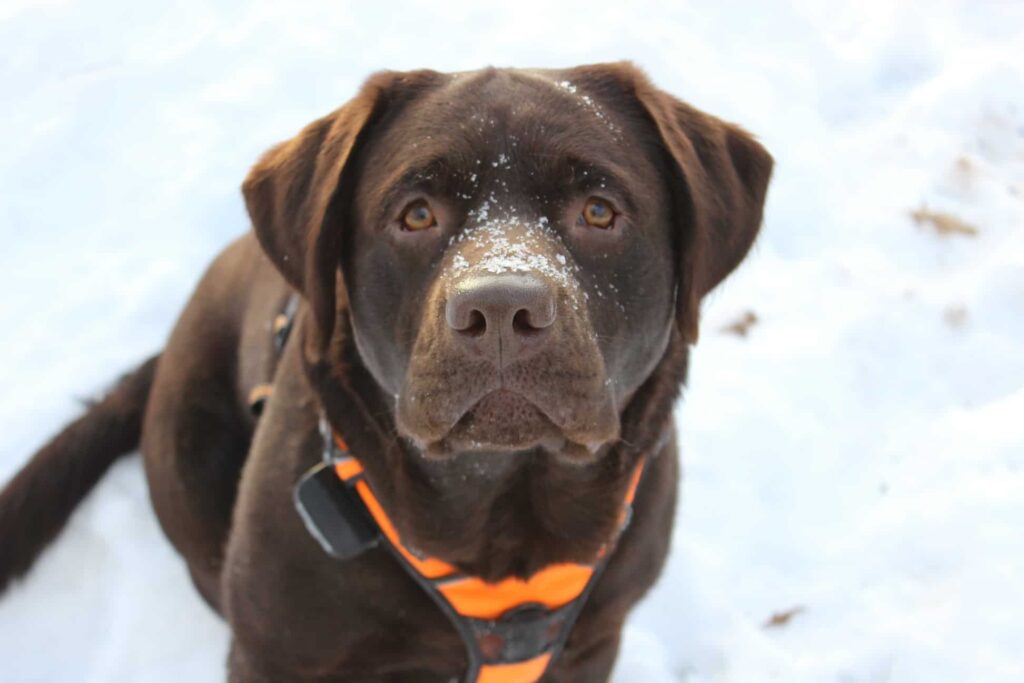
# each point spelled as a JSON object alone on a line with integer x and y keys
{"x": 298, "y": 193}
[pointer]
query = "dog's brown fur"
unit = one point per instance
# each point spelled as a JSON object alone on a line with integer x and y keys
{"x": 221, "y": 483}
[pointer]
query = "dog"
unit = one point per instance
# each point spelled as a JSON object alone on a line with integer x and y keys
{"x": 445, "y": 359}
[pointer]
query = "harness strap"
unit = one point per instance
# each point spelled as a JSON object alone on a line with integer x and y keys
{"x": 280, "y": 328}
{"x": 283, "y": 323}
{"x": 512, "y": 629}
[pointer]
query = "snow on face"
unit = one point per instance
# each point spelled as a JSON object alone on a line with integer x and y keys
{"x": 509, "y": 243}
{"x": 492, "y": 225}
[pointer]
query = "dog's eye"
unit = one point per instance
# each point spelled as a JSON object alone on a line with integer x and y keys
{"x": 598, "y": 213}
{"x": 418, "y": 216}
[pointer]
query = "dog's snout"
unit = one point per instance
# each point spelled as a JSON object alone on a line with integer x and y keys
{"x": 505, "y": 317}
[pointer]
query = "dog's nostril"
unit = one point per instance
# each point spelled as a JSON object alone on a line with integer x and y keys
{"x": 476, "y": 326}
{"x": 523, "y": 323}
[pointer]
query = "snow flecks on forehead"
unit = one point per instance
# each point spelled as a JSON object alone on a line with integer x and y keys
{"x": 588, "y": 103}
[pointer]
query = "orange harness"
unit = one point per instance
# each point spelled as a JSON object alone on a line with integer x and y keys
{"x": 513, "y": 629}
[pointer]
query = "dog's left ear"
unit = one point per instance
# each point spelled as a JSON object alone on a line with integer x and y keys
{"x": 721, "y": 178}
{"x": 298, "y": 194}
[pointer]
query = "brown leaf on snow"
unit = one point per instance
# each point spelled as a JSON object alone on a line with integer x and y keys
{"x": 741, "y": 326}
{"x": 944, "y": 224}
{"x": 955, "y": 316}
{"x": 780, "y": 619}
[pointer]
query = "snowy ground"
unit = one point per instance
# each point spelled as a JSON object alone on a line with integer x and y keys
{"x": 856, "y": 460}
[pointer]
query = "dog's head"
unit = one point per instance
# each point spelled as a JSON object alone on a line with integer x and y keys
{"x": 513, "y": 249}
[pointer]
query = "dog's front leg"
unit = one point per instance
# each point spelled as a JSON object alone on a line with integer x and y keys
{"x": 196, "y": 431}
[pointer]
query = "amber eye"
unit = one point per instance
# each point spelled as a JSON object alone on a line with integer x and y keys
{"x": 418, "y": 216}
{"x": 598, "y": 213}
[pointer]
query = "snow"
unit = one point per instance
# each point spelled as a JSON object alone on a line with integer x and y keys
{"x": 497, "y": 251}
{"x": 589, "y": 105}
{"x": 857, "y": 457}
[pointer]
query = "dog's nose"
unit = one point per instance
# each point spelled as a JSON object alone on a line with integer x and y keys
{"x": 504, "y": 317}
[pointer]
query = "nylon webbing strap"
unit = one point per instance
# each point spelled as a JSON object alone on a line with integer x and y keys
{"x": 512, "y": 629}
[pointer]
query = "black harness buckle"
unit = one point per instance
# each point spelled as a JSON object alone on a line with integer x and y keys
{"x": 526, "y": 632}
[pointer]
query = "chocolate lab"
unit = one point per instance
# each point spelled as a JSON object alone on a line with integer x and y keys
{"x": 499, "y": 275}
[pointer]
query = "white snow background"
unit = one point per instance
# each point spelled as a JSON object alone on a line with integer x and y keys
{"x": 858, "y": 457}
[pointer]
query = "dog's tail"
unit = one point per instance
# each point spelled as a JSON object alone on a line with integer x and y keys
{"x": 36, "y": 504}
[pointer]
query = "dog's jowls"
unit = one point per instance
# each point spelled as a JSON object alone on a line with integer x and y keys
{"x": 501, "y": 273}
